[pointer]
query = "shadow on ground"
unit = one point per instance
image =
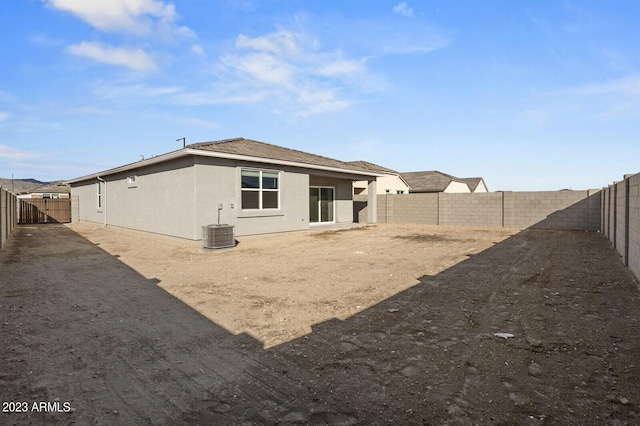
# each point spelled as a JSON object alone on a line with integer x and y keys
{"x": 81, "y": 327}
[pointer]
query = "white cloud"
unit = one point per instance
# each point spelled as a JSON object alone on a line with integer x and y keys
{"x": 135, "y": 59}
{"x": 141, "y": 17}
{"x": 15, "y": 154}
{"x": 343, "y": 67}
{"x": 133, "y": 90}
{"x": 290, "y": 71}
{"x": 197, "y": 50}
{"x": 320, "y": 101}
{"x": 629, "y": 86}
{"x": 403, "y": 9}
{"x": 220, "y": 95}
{"x": 415, "y": 44}
{"x": 281, "y": 42}
{"x": 262, "y": 67}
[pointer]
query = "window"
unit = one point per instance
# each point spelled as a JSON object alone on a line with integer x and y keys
{"x": 99, "y": 194}
{"x": 260, "y": 190}
{"x": 131, "y": 181}
{"x": 400, "y": 191}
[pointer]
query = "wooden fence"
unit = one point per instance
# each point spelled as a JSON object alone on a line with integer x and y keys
{"x": 44, "y": 210}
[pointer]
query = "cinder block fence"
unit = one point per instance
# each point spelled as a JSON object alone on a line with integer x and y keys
{"x": 575, "y": 210}
{"x": 621, "y": 219}
{"x": 615, "y": 211}
{"x": 8, "y": 215}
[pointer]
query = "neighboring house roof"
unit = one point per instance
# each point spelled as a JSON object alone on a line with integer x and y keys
{"x": 51, "y": 188}
{"x": 473, "y": 183}
{"x": 373, "y": 167}
{"x": 428, "y": 181}
{"x": 245, "y": 150}
{"x": 435, "y": 181}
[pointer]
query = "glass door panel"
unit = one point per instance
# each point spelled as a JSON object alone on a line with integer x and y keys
{"x": 314, "y": 205}
{"x": 321, "y": 205}
{"x": 326, "y": 204}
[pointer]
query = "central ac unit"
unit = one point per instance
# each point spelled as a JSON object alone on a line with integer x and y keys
{"x": 217, "y": 236}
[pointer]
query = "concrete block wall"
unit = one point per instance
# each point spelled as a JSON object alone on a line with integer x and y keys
{"x": 621, "y": 219}
{"x": 414, "y": 208}
{"x": 578, "y": 210}
{"x": 553, "y": 210}
{"x": 619, "y": 213}
{"x": 8, "y": 215}
{"x": 634, "y": 225}
{"x": 481, "y": 209}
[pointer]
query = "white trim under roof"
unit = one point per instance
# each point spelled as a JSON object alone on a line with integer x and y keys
{"x": 190, "y": 151}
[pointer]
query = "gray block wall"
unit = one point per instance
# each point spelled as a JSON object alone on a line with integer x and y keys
{"x": 481, "y": 209}
{"x": 621, "y": 219}
{"x": 577, "y": 210}
{"x": 8, "y": 215}
{"x": 634, "y": 225}
{"x": 580, "y": 210}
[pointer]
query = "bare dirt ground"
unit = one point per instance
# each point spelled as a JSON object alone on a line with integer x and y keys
{"x": 392, "y": 324}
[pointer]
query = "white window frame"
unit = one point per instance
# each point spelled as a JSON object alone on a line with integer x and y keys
{"x": 132, "y": 181}
{"x": 260, "y": 190}
{"x": 99, "y": 195}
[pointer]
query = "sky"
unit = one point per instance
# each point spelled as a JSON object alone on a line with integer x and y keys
{"x": 530, "y": 95}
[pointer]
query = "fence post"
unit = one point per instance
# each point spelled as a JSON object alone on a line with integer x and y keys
{"x": 627, "y": 187}
{"x": 615, "y": 215}
{"x": 3, "y": 218}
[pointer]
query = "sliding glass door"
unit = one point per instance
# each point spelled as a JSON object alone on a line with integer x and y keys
{"x": 321, "y": 205}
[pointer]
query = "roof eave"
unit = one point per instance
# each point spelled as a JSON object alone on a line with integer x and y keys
{"x": 248, "y": 158}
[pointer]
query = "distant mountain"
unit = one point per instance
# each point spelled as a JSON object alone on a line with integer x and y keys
{"x": 20, "y": 185}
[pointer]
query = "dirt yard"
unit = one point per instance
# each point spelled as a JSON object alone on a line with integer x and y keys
{"x": 391, "y": 324}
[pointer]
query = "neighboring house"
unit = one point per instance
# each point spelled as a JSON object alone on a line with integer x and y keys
{"x": 257, "y": 187}
{"x": 390, "y": 183}
{"x": 475, "y": 184}
{"x": 51, "y": 190}
{"x": 435, "y": 181}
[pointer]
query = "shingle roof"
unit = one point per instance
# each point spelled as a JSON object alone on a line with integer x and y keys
{"x": 253, "y": 148}
{"x": 372, "y": 167}
{"x": 435, "y": 181}
{"x": 52, "y": 187}
{"x": 428, "y": 181}
{"x": 247, "y": 150}
{"x": 472, "y": 182}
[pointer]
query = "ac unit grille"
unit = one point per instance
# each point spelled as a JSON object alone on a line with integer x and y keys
{"x": 217, "y": 236}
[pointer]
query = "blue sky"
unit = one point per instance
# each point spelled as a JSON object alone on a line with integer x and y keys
{"x": 530, "y": 95}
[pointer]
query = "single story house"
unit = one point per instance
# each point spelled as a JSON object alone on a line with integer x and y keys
{"x": 389, "y": 183}
{"x": 53, "y": 190}
{"x": 435, "y": 181}
{"x": 257, "y": 187}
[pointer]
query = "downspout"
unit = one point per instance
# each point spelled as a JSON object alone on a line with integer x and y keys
{"x": 104, "y": 201}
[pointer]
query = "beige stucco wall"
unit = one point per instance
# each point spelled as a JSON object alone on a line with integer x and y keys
{"x": 481, "y": 187}
{"x": 389, "y": 184}
{"x": 457, "y": 187}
